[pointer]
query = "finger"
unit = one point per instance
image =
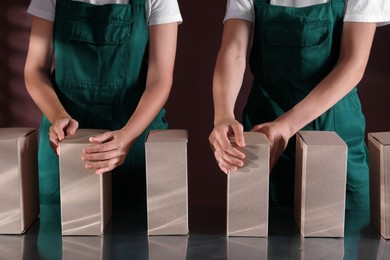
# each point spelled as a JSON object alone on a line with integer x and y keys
{"x": 103, "y": 166}
{"x": 257, "y": 128}
{"x": 105, "y": 137}
{"x": 238, "y": 130}
{"x": 220, "y": 155}
{"x": 100, "y": 156}
{"x": 223, "y": 142}
{"x": 59, "y": 127}
{"x": 72, "y": 127}
{"x": 226, "y": 167}
{"x": 54, "y": 142}
{"x": 99, "y": 148}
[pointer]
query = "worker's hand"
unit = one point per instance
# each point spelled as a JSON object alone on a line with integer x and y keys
{"x": 60, "y": 129}
{"x": 108, "y": 151}
{"x": 278, "y": 135}
{"x": 229, "y": 158}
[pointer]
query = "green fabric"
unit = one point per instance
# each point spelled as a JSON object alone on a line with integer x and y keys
{"x": 100, "y": 74}
{"x": 293, "y": 50}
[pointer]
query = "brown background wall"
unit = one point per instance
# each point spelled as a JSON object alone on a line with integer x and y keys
{"x": 190, "y": 104}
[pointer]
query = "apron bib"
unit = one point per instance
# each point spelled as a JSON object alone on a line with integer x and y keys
{"x": 293, "y": 50}
{"x": 100, "y": 75}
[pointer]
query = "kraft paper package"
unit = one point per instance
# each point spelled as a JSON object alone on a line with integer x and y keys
{"x": 320, "y": 181}
{"x": 19, "y": 193}
{"x": 166, "y": 179}
{"x": 379, "y": 157}
{"x": 86, "y": 204}
{"x": 247, "y": 198}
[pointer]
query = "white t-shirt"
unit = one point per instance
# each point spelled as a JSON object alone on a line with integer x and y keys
{"x": 158, "y": 11}
{"x": 374, "y": 11}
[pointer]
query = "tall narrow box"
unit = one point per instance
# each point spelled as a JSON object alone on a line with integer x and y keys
{"x": 320, "y": 181}
{"x": 19, "y": 195}
{"x": 247, "y": 198}
{"x": 85, "y": 196}
{"x": 166, "y": 178}
{"x": 379, "y": 156}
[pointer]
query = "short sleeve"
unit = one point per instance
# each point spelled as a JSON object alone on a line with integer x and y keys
{"x": 240, "y": 9}
{"x": 164, "y": 11}
{"x": 44, "y": 9}
{"x": 370, "y": 11}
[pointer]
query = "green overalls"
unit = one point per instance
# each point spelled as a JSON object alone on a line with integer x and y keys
{"x": 100, "y": 74}
{"x": 293, "y": 50}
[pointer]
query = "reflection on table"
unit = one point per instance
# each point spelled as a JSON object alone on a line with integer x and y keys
{"x": 126, "y": 238}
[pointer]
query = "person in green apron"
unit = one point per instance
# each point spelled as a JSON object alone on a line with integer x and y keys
{"x": 306, "y": 62}
{"x": 113, "y": 70}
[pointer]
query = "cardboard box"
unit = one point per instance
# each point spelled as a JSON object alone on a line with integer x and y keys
{"x": 85, "y": 196}
{"x": 379, "y": 157}
{"x": 247, "y": 198}
{"x": 166, "y": 179}
{"x": 19, "y": 193}
{"x": 82, "y": 247}
{"x": 320, "y": 181}
{"x": 167, "y": 247}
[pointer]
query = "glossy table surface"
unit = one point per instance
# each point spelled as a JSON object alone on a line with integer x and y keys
{"x": 126, "y": 238}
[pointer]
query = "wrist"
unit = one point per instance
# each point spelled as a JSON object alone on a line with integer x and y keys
{"x": 287, "y": 126}
{"x": 56, "y": 117}
{"x": 223, "y": 118}
{"x": 130, "y": 132}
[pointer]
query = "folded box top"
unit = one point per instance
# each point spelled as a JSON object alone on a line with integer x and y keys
{"x": 381, "y": 137}
{"x": 168, "y": 135}
{"x": 321, "y": 138}
{"x": 82, "y": 136}
{"x": 14, "y": 133}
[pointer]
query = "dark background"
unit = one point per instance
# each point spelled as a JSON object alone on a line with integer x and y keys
{"x": 190, "y": 104}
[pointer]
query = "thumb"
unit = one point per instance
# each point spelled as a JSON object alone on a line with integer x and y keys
{"x": 238, "y": 134}
{"x": 72, "y": 127}
{"x": 102, "y": 138}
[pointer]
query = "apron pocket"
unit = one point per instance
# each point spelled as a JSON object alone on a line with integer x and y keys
{"x": 98, "y": 48}
{"x": 112, "y": 33}
{"x": 296, "y": 35}
{"x": 293, "y": 49}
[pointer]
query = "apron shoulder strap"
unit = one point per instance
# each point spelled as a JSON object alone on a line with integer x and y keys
{"x": 137, "y": 1}
{"x": 263, "y": 2}
{"x": 260, "y": 2}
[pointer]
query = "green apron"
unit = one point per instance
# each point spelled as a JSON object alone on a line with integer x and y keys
{"x": 100, "y": 74}
{"x": 293, "y": 50}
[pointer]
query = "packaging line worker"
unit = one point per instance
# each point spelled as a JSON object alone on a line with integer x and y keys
{"x": 306, "y": 62}
{"x": 114, "y": 64}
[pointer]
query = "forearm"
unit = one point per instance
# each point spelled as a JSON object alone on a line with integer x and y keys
{"x": 341, "y": 80}
{"x": 227, "y": 81}
{"x": 37, "y": 70}
{"x": 41, "y": 91}
{"x": 230, "y": 67}
{"x": 162, "y": 52}
{"x": 152, "y": 101}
